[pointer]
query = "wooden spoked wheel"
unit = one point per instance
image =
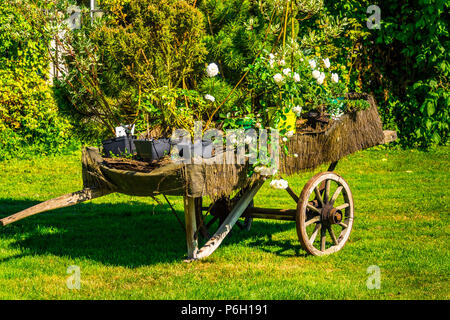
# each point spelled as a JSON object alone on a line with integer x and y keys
{"x": 324, "y": 214}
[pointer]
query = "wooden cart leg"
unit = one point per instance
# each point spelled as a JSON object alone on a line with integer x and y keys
{"x": 191, "y": 227}
{"x": 60, "y": 202}
{"x": 214, "y": 242}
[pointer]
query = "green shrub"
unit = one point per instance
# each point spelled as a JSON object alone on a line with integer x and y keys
{"x": 29, "y": 119}
{"x": 135, "y": 63}
{"x": 405, "y": 64}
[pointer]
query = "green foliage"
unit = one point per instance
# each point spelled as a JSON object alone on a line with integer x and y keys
{"x": 356, "y": 105}
{"x": 405, "y": 64}
{"x": 29, "y": 119}
{"x": 134, "y": 64}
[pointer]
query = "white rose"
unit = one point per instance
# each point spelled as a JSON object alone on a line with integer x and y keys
{"x": 210, "y": 97}
{"x": 278, "y": 78}
{"x": 271, "y": 62}
{"x": 297, "y": 110}
{"x": 335, "y": 77}
{"x": 285, "y": 139}
{"x": 212, "y": 70}
{"x": 287, "y": 71}
{"x": 312, "y": 64}
{"x": 296, "y": 77}
{"x": 279, "y": 184}
{"x": 316, "y": 74}
{"x": 327, "y": 63}
{"x": 321, "y": 79}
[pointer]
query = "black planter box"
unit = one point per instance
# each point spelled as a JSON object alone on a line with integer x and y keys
{"x": 119, "y": 146}
{"x": 186, "y": 149}
{"x": 150, "y": 150}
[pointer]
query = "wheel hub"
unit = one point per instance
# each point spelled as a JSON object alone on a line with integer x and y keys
{"x": 330, "y": 215}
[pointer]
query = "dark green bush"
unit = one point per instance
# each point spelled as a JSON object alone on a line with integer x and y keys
{"x": 405, "y": 64}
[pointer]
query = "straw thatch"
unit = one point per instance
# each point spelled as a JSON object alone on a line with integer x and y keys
{"x": 352, "y": 132}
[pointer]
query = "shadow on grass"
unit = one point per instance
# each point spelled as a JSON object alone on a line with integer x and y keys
{"x": 128, "y": 234}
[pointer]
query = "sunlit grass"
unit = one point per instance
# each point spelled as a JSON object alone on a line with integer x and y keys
{"x": 131, "y": 248}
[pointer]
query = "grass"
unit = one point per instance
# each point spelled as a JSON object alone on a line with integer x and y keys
{"x": 132, "y": 248}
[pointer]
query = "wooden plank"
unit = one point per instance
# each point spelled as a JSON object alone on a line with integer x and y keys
{"x": 229, "y": 222}
{"x": 292, "y": 194}
{"x": 256, "y": 210}
{"x": 191, "y": 227}
{"x": 272, "y": 217}
{"x": 56, "y": 203}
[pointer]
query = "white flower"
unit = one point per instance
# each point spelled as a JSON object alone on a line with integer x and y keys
{"x": 258, "y": 125}
{"x": 210, "y": 97}
{"x": 296, "y": 77}
{"x": 312, "y": 64}
{"x": 297, "y": 110}
{"x": 212, "y": 70}
{"x": 279, "y": 184}
{"x": 282, "y": 62}
{"x": 290, "y": 134}
{"x": 295, "y": 155}
{"x": 287, "y": 71}
{"x": 271, "y": 62}
{"x": 321, "y": 78}
{"x": 278, "y": 78}
{"x": 335, "y": 77}
{"x": 316, "y": 74}
{"x": 285, "y": 139}
{"x": 327, "y": 63}
{"x": 271, "y": 56}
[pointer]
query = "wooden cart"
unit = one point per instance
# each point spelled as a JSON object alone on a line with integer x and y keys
{"x": 323, "y": 211}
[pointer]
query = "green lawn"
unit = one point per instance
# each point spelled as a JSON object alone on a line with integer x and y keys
{"x": 129, "y": 248}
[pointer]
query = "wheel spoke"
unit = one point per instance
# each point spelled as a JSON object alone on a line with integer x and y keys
{"x": 343, "y": 225}
{"x": 327, "y": 191}
{"x": 312, "y": 220}
{"x": 323, "y": 235}
{"x": 336, "y": 194}
{"x": 312, "y": 208}
{"x": 343, "y": 206}
{"x": 315, "y": 232}
{"x": 318, "y": 196}
{"x": 333, "y": 237}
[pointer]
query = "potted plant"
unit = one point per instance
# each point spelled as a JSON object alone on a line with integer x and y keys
{"x": 122, "y": 144}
